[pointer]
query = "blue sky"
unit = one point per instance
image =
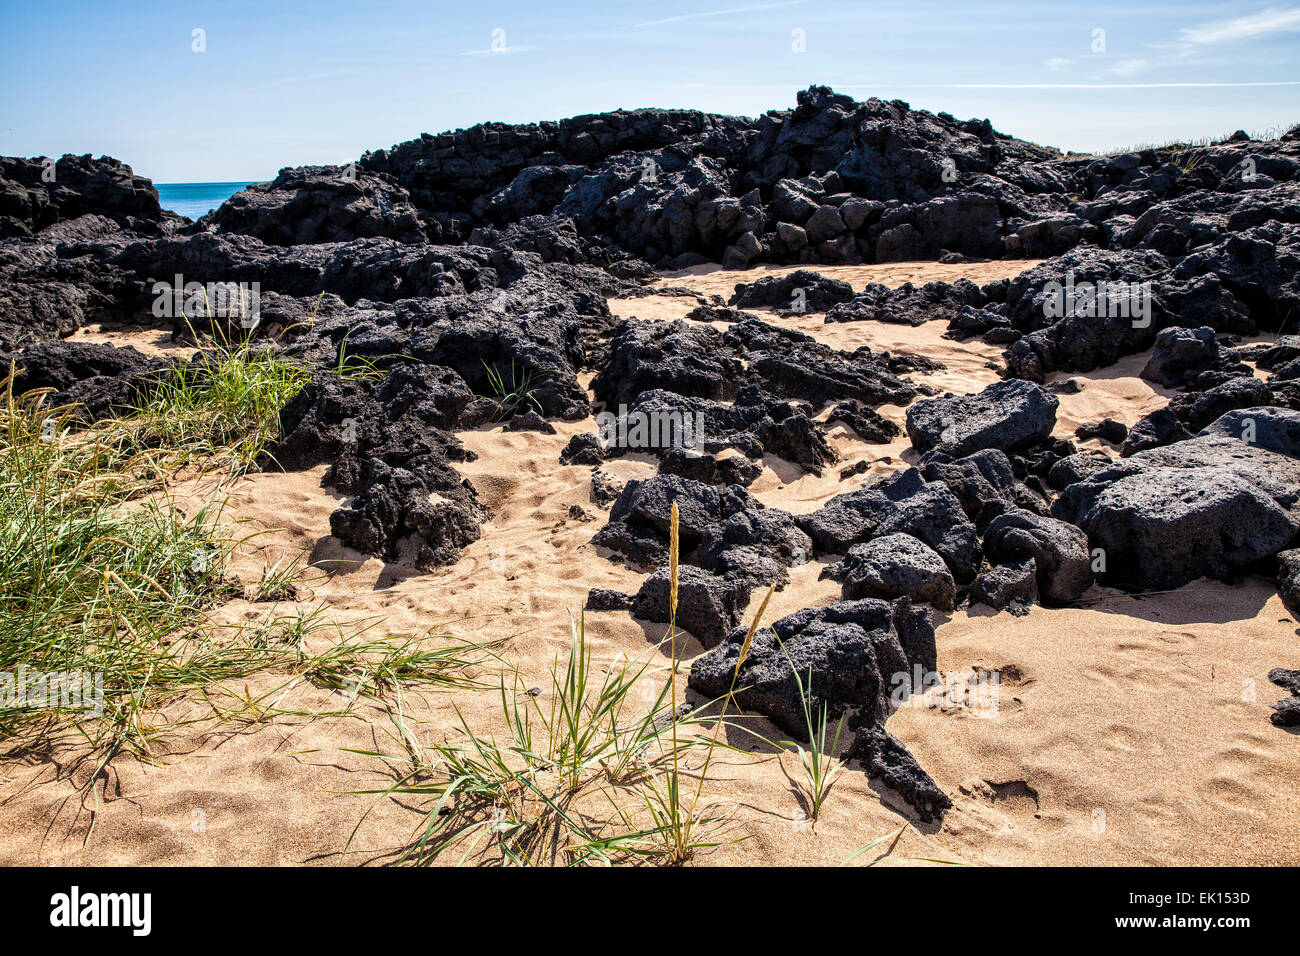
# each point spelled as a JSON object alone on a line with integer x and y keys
{"x": 286, "y": 83}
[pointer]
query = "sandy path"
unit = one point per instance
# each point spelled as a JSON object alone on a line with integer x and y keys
{"x": 1126, "y": 730}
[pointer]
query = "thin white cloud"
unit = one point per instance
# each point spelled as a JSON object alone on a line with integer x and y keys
{"x": 1059, "y": 62}
{"x": 1192, "y": 44}
{"x": 1272, "y": 20}
{"x": 280, "y": 80}
{"x": 1129, "y": 67}
{"x": 722, "y": 13}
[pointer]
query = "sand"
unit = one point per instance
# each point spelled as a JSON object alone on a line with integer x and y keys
{"x": 151, "y": 342}
{"x": 1126, "y": 730}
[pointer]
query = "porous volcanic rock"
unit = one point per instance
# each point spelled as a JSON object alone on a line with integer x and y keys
{"x": 1007, "y": 415}
{"x": 895, "y": 565}
{"x": 1059, "y": 550}
{"x": 855, "y": 659}
{"x": 708, "y": 606}
{"x": 313, "y": 204}
{"x": 1007, "y": 587}
{"x": 1209, "y": 506}
{"x": 389, "y": 446}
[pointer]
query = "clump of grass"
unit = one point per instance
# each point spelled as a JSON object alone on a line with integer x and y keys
{"x": 353, "y": 367}
{"x": 550, "y": 792}
{"x": 516, "y": 395}
{"x": 591, "y": 776}
{"x": 310, "y": 646}
{"x": 105, "y": 580}
{"x": 818, "y": 760}
{"x": 278, "y": 580}
{"x": 220, "y": 407}
{"x": 1185, "y": 158}
{"x": 378, "y": 668}
{"x": 90, "y": 581}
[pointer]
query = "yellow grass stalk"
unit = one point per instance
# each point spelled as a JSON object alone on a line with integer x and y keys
{"x": 673, "y": 540}
{"x": 672, "y": 564}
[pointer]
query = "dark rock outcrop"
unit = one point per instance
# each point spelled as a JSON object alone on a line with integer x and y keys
{"x": 1059, "y": 551}
{"x": 907, "y": 305}
{"x": 1208, "y": 506}
{"x": 313, "y": 204}
{"x": 984, "y": 482}
{"x": 99, "y": 380}
{"x": 1288, "y": 580}
{"x": 884, "y": 756}
{"x": 899, "y": 503}
{"x": 1007, "y": 587}
{"x": 1277, "y": 429}
{"x": 1108, "y": 430}
{"x": 1181, "y": 352}
{"x": 892, "y": 566}
{"x": 855, "y": 659}
{"x": 36, "y": 194}
{"x": 708, "y": 606}
{"x": 800, "y": 291}
{"x": 1154, "y": 430}
{"x": 1007, "y": 415}
{"x": 389, "y": 446}
{"x": 756, "y": 545}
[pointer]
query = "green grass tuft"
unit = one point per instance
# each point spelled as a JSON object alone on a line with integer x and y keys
{"x": 222, "y": 407}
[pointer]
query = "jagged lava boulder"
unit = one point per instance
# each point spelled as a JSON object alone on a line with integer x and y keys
{"x": 1210, "y": 506}
{"x": 1007, "y": 415}
{"x": 860, "y": 656}
{"x": 1276, "y": 429}
{"x": 1062, "y": 561}
{"x": 884, "y": 756}
{"x": 389, "y": 445}
{"x": 708, "y": 606}
{"x": 35, "y": 194}
{"x": 896, "y": 565}
{"x": 312, "y": 204}
{"x": 899, "y": 503}
{"x": 1007, "y": 587}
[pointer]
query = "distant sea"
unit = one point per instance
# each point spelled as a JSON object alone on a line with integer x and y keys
{"x": 195, "y": 199}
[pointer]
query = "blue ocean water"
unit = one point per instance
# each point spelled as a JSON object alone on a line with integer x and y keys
{"x": 195, "y": 199}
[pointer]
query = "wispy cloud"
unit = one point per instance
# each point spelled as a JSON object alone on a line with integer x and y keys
{"x": 1264, "y": 23}
{"x": 1193, "y": 44}
{"x": 723, "y": 13}
{"x": 1129, "y": 67}
{"x": 1058, "y": 62}
{"x": 301, "y": 77}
